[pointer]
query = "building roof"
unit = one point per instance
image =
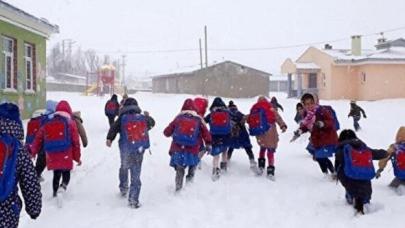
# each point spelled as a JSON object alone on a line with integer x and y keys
{"x": 22, "y": 19}
{"x": 212, "y": 66}
{"x": 307, "y": 66}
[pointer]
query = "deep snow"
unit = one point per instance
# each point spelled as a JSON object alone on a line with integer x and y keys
{"x": 301, "y": 196}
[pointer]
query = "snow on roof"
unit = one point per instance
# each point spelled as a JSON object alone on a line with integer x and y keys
{"x": 307, "y": 66}
{"x": 278, "y": 78}
{"x": 344, "y": 55}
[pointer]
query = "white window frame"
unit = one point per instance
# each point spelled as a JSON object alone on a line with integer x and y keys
{"x": 8, "y": 54}
{"x": 29, "y": 86}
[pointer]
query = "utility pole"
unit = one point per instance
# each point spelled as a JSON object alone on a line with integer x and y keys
{"x": 201, "y": 55}
{"x": 206, "y": 47}
{"x": 123, "y": 73}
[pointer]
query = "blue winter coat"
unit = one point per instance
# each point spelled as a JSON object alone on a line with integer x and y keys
{"x": 240, "y": 136}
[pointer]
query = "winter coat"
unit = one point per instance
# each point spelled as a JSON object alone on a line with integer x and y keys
{"x": 114, "y": 99}
{"x": 79, "y": 123}
{"x": 130, "y": 107}
{"x": 26, "y": 178}
{"x": 218, "y": 140}
{"x": 270, "y": 138}
{"x": 62, "y": 160}
{"x": 355, "y": 111}
{"x": 400, "y": 138}
{"x": 239, "y": 136}
{"x": 326, "y": 135}
{"x": 356, "y": 188}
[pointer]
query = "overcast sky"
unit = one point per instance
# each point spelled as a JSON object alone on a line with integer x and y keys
{"x": 132, "y": 26}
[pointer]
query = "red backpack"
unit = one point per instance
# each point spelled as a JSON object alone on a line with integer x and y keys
{"x": 187, "y": 130}
{"x": 57, "y": 136}
{"x": 33, "y": 127}
{"x": 111, "y": 108}
{"x": 8, "y": 161}
{"x": 220, "y": 122}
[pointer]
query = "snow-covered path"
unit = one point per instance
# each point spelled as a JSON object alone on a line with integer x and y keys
{"x": 300, "y": 196}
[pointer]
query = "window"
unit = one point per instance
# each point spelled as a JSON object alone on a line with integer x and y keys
{"x": 10, "y": 62}
{"x": 363, "y": 77}
{"x": 324, "y": 79}
{"x": 29, "y": 58}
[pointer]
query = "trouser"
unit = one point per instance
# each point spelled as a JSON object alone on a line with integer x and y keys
{"x": 40, "y": 163}
{"x": 131, "y": 161}
{"x": 270, "y": 155}
{"x": 356, "y": 124}
{"x": 111, "y": 120}
{"x": 248, "y": 150}
{"x": 325, "y": 164}
{"x": 57, "y": 175}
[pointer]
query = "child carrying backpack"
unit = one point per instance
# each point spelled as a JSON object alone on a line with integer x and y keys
{"x": 133, "y": 128}
{"x": 396, "y": 153}
{"x": 111, "y": 109}
{"x": 16, "y": 168}
{"x": 60, "y": 139}
{"x": 355, "y": 169}
{"x": 189, "y": 133}
{"x": 355, "y": 112}
{"x": 33, "y": 126}
{"x": 219, "y": 121}
{"x": 262, "y": 124}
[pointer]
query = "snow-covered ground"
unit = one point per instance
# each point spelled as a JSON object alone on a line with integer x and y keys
{"x": 301, "y": 196}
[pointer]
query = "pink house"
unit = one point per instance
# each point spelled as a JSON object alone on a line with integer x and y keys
{"x": 356, "y": 73}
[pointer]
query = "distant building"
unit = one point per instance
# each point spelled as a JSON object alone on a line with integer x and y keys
{"x": 354, "y": 73}
{"x": 226, "y": 79}
{"x": 278, "y": 83}
{"x": 23, "y": 58}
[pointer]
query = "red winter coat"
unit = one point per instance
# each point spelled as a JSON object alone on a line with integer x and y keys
{"x": 62, "y": 160}
{"x": 188, "y": 109}
{"x": 326, "y": 135}
{"x": 268, "y": 109}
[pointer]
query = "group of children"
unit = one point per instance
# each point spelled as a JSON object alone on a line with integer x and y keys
{"x": 54, "y": 138}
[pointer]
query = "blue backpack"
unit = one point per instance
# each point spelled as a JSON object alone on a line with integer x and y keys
{"x": 134, "y": 132}
{"x": 57, "y": 135}
{"x": 325, "y": 151}
{"x": 220, "y": 122}
{"x": 358, "y": 163}
{"x": 8, "y": 161}
{"x": 398, "y": 161}
{"x": 111, "y": 108}
{"x": 257, "y": 121}
{"x": 335, "y": 119}
{"x": 187, "y": 130}
{"x": 33, "y": 127}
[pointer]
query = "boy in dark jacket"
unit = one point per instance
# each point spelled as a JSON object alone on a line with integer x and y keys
{"x": 19, "y": 171}
{"x": 189, "y": 133}
{"x": 111, "y": 109}
{"x": 357, "y": 183}
{"x": 275, "y": 104}
{"x": 355, "y": 112}
{"x": 134, "y": 140}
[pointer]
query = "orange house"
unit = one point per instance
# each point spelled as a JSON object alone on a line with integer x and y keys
{"x": 355, "y": 73}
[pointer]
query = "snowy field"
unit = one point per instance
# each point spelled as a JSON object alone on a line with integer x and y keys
{"x": 301, "y": 196}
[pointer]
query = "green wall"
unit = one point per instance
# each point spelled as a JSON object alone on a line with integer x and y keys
{"x": 27, "y": 102}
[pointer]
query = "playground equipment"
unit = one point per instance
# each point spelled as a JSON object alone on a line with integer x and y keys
{"x": 103, "y": 81}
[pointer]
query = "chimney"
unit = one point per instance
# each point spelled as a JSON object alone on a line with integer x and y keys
{"x": 328, "y": 47}
{"x": 381, "y": 40}
{"x": 356, "y": 45}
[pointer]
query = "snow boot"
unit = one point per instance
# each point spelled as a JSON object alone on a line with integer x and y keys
{"x": 179, "y": 178}
{"x": 349, "y": 198}
{"x": 262, "y": 163}
{"x": 216, "y": 173}
{"x": 270, "y": 172}
{"x": 190, "y": 174}
{"x": 223, "y": 166}
{"x": 134, "y": 205}
{"x": 359, "y": 206}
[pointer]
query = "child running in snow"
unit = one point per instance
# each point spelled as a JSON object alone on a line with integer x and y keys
{"x": 219, "y": 120}
{"x": 60, "y": 138}
{"x": 320, "y": 122}
{"x": 16, "y": 168}
{"x": 189, "y": 133}
{"x": 133, "y": 128}
{"x": 355, "y": 112}
{"x": 33, "y": 126}
{"x": 268, "y": 138}
{"x": 111, "y": 109}
{"x": 396, "y": 153}
{"x": 354, "y": 167}
{"x": 240, "y": 136}
{"x": 299, "y": 115}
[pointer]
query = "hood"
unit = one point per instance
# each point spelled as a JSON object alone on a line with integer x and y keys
{"x": 130, "y": 109}
{"x": 231, "y": 104}
{"x": 273, "y": 100}
{"x": 217, "y": 103}
{"x": 130, "y": 101}
{"x": 114, "y": 98}
{"x": 50, "y": 107}
{"x": 63, "y": 106}
{"x": 188, "y": 105}
{"x": 400, "y": 137}
{"x": 10, "y": 111}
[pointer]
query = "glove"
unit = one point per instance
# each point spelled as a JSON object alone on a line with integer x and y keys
{"x": 35, "y": 216}
{"x": 208, "y": 149}
{"x": 319, "y": 124}
{"x": 365, "y": 117}
{"x": 378, "y": 173}
{"x": 297, "y": 134}
{"x": 283, "y": 128}
{"x": 108, "y": 143}
{"x": 146, "y": 113}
